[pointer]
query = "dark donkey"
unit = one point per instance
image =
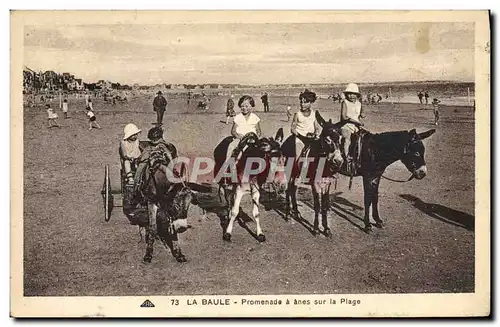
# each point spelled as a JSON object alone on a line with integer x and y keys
{"x": 247, "y": 175}
{"x": 318, "y": 163}
{"x": 168, "y": 198}
{"x": 375, "y": 152}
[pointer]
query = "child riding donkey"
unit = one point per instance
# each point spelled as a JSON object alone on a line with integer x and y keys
{"x": 351, "y": 112}
{"x": 304, "y": 125}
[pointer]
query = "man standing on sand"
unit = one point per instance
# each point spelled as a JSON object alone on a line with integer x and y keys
{"x": 265, "y": 102}
{"x": 159, "y": 105}
{"x": 420, "y": 97}
{"x": 426, "y": 95}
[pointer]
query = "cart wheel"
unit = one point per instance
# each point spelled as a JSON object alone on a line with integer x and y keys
{"x": 107, "y": 197}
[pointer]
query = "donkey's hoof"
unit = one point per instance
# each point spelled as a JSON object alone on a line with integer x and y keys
{"x": 367, "y": 229}
{"x": 147, "y": 258}
{"x": 315, "y": 231}
{"x": 226, "y": 237}
{"x": 379, "y": 224}
{"x": 328, "y": 232}
{"x": 261, "y": 238}
{"x": 181, "y": 258}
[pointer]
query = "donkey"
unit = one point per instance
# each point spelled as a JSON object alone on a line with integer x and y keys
{"x": 374, "y": 153}
{"x": 242, "y": 180}
{"x": 168, "y": 203}
{"x": 318, "y": 163}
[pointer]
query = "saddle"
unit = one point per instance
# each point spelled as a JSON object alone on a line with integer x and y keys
{"x": 353, "y": 166}
{"x": 148, "y": 165}
{"x": 307, "y": 146}
{"x": 247, "y": 140}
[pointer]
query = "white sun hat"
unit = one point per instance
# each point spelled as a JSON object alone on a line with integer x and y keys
{"x": 129, "y": 130}
{"x": 352, "y": 88}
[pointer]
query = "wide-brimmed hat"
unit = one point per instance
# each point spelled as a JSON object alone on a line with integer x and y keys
{"x": 129, "y": 130}
{"x": 159, "y": 92}
{"x": 352, "y": 88}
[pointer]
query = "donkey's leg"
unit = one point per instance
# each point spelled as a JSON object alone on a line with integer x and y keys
{"x": 375, "y": 213}
{"x": 368, "y": 198}
{"x": 235, "y": 210}
{"x": 325, "y": 204}
{"x": 287, "y": 201}
{"x": 255, "y": 211}
{"x": 315, "y": 193}
{"x": 151, "y": 231}
{"x": 172, "y": 242}
{"x": 293, "y": 194}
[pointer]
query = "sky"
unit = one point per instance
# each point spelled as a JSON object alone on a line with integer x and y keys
{"x": 265, "y": 53}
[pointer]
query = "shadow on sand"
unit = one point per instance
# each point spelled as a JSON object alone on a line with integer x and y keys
{"x": 344, "y": 209}
{"x": 440, "y": 212}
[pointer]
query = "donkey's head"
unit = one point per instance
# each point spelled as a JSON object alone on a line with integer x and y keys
{"x": 330, "y": 139}
{"x": 413, "y": 153}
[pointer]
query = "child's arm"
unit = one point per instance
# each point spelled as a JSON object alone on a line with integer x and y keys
{"x": 343, "y": 112}
{"x": 234, "y": 133}
{"x": 294, "y": 124}
{"x": 317, "y": 129}
{"x": 259, "y": 132}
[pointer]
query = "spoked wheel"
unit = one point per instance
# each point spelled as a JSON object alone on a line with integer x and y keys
{"x": 107, "y": 197}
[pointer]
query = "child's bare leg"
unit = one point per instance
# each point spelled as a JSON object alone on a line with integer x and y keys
{"x": 97, "y": 125}
{"x": 90, "y": 126}
{"x": 346, "y": 135}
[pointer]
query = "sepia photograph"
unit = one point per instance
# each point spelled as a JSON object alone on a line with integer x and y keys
{"x": 250, "y": 163}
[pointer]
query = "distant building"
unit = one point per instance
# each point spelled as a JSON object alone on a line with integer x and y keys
{"x": 29, "y": 79}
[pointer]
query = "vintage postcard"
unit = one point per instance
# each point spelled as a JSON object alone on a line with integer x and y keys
{"x": 250, "y": 163}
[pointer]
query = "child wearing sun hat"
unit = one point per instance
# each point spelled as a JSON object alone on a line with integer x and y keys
{"x": 351, "y": 112}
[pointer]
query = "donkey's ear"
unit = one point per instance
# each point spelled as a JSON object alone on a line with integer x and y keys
{"x": 320, "y": 119}
{"x": 182, "y": 171}
{"x": 330, "y": 121}
{"x": 279, "y": 135}
{"x": 413, "y": 134}
{"x": 425, "y": 135}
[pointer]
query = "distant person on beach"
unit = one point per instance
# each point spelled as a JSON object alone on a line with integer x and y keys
{"x": 65, "y": 108}
{"x": 379, "y": 98}
{"x": 51, "y": 117}
{"x": 421, "y": 97}
{"x": 87, "y": 99}
{"x": 245, "y": 122}
{"x": 435, "y": 106}
{"x": 351, "y": 112}
{"x": 265, "y": 101}
{"x": 92, "y": 119}
{"x": 230, "y": 109}
{"x": 159, "y": 106}
{"x": 90, "y": 104}
{"x": 288, "y": 113}
{"x": 426, "y": 95}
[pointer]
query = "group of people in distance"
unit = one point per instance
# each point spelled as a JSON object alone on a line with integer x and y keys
{"x": 52, "y": 117}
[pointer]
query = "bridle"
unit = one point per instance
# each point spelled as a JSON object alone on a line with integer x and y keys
{"x": 406, "y": 151}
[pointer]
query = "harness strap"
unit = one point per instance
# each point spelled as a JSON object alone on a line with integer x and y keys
{"x": 399, "y": 181}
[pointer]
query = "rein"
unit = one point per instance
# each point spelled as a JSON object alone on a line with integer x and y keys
{"x": 397, "y": 180}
